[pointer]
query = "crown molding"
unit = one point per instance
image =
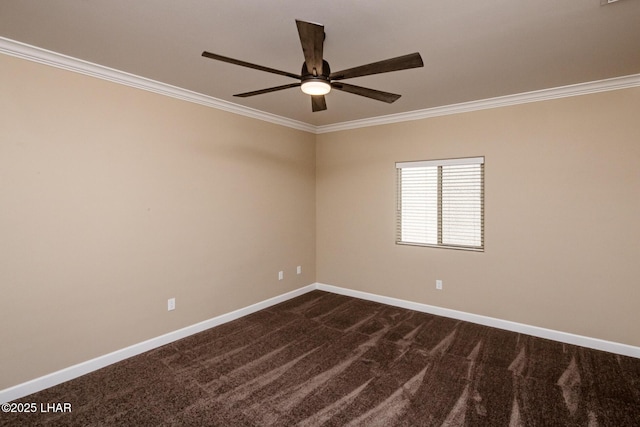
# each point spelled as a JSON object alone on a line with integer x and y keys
{"x": 54, "y": 59}
{"x": 58, "y": 60}
{"x": 483, "y": 104}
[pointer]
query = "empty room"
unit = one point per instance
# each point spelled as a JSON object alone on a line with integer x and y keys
{"x": 331, "y": 213}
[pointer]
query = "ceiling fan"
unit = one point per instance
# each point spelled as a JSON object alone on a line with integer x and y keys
{"x": 316, "y": 78}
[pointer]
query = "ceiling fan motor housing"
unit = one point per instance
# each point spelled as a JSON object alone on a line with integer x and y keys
{"x": 314, "y": 75}
{"x": 315, "y": 83}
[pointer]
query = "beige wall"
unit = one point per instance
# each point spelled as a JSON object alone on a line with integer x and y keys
{"x": 113, "y": 200}
{"x": 562, "y": 214}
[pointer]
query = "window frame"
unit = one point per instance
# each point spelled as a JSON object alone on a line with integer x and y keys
{"x": 439, "y": 164}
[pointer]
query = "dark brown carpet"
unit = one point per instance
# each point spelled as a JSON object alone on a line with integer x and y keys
{"x": 329, "y": 360}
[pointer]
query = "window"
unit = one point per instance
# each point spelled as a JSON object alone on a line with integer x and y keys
{"x": 441, "y": 203}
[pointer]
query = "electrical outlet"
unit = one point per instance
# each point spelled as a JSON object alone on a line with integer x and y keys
{"x": 299, "y": 270}
{"x": 280, "y": 275}
{"x": 439, "y": 285}
{"x": 171, "y": 304}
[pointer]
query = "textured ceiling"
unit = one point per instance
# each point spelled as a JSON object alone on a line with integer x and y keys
{"x": 472, "y": 49}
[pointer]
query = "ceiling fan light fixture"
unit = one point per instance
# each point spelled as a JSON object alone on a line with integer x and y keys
{"x": 315, "y": 76}
{"x": 316, "y": 87}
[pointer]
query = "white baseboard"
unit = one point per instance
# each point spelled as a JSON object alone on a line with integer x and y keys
{"x": 594, "y": 343}
{"x": 75, "y": 371}
{"x": 58, "y": 377}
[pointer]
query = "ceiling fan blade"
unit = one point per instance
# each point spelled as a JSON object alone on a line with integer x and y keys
{"x": 249, "y": 65}
{"x": 413, "y": 60}
{"x": 271, "y": 89}
{"x": 318, "y": 103}
{"x": 312, "y": 39}
{"x": 369, "y": 93}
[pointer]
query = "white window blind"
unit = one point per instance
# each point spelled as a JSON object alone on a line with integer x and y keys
{"x": 441, "y": 203}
